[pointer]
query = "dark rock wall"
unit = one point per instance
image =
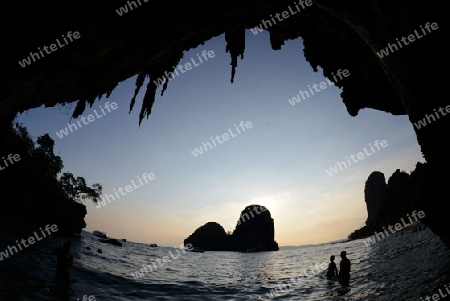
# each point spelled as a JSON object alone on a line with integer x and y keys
{"x": 46, "y": 208}
{"x": 373, "y": 194}
{"x": 113, "y": 48}
{"x": 402, "y": 195}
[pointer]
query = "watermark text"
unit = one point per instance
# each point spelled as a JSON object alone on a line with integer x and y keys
{"x": 430, "y": 118}
{"x": 90, "y": 118}
{"x": 161, "y": 261}
{"x": 266, "y": 24}
{"x": 371, "y": 240}
{"x": 11, "y": 250}
{"x": 391, "y": 48}
{"x": 187, "y": 66}
{"x": 318, "y": 87}
{"x": 53, "y": 47}
{"x": 11, "y": 159}
{"x": 146, "y": 177}
{"x": 361, "y": 155}
{"x": 204, "y": 147}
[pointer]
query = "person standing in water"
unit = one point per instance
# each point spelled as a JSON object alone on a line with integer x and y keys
{"x": 332, "y": 269}
{"x": 344, "y": 269}
{"x": 64, "y": 261}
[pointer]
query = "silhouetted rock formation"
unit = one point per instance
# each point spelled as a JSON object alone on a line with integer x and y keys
{"x": 254, "y": 232}
{"x": 209, "y": 237}
{"x": 33, "y": 192}
{"x": 68, "y": 215}
{"x": 403, "y": 194}
{"x": 373, "y": 194}
{"x": 347, "y": 34}
{"x": 397, "y": 197}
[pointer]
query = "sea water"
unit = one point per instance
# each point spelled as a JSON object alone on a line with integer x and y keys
{"x": 403, "y": 267}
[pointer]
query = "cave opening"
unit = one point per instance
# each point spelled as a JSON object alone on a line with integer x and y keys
{"x": 298, "y": 143}
{"x": 298, "y": 149}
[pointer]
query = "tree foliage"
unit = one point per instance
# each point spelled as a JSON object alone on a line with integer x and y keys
{"x": 45, "y": 157}
{"x": 39, "y": 162}
{"x": 76, "y": 188}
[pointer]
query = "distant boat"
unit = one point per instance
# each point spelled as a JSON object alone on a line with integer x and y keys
{"x": 100, "y": 234}
{"x": 153, "y": 245}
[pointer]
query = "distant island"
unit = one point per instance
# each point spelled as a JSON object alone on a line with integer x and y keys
{"x": 254, "y": 232}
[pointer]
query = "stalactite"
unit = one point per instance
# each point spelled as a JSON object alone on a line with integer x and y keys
{"x": 106, "y": 91}
{"x": 156, "y": 74}
{"x": 139, "y": 82}
{"x": 149, "y": 99}
{"x": 79, "y": 109}
{"x": 235, "y": 46}
{"x": 81, "y": 105}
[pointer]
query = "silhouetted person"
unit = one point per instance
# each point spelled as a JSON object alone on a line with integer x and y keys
{"x": 332, "y": 269}
{"x": 344, "y": 269}
{"x": 64, "y": 261}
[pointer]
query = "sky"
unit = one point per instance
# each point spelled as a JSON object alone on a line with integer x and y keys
{"x": 279, "y": 161}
